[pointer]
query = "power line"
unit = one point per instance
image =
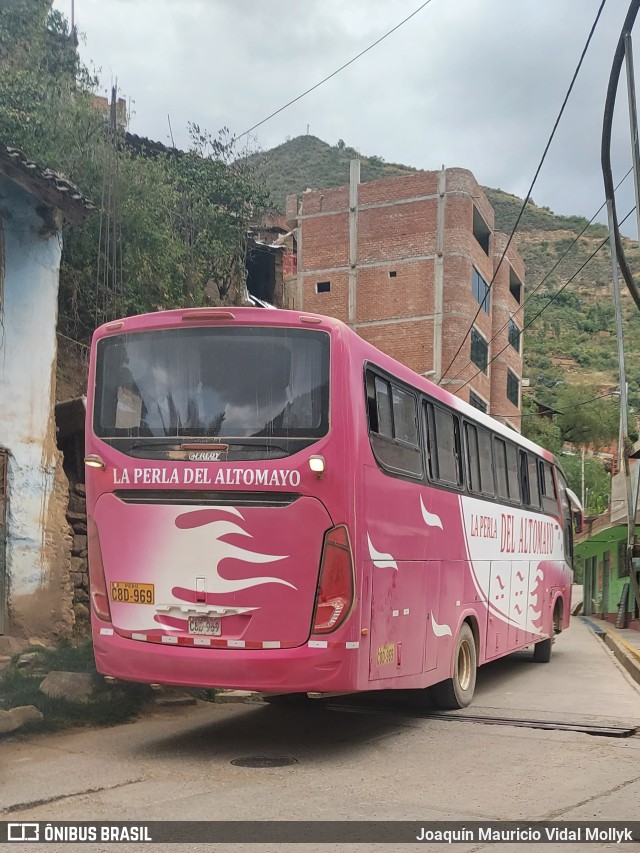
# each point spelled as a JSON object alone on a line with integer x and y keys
{"x": 73, "y": 340}
{"x": 544, "y": 307}
{"x": 542, "y": 281}
{"x": 535, "y": 178}
{"x": 575, "y": 406}
{"x": 337, "y": 71}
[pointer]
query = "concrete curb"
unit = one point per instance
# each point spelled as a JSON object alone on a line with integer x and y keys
{"x": 626, "y": 654}
{"x": 247, "y": 697}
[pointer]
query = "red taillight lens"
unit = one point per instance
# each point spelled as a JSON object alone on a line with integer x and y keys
{"x": 337, "y": 583}
{"x": 97, "y": 582}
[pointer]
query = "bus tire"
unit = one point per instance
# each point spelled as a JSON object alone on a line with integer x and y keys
{"x": 457, "y": 692}
{"x": 542, "y": 651}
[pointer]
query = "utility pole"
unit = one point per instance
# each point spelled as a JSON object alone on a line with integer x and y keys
{"x": 632, "y": 488}
{"x": 582, "y": 494}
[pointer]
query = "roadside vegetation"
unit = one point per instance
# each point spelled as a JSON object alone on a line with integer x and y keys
{"x": 170, "y": 223}
{"x": 107, "y": 704}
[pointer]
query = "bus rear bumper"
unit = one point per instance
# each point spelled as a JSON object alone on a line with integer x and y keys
{"x": 298, "y": 670}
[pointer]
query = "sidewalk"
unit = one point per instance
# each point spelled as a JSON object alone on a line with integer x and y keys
{"x": 623, "y": 642}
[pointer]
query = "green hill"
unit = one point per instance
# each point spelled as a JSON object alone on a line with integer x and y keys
{"x": 577, "y": 326}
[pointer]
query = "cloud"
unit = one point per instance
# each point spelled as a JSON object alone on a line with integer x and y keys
{"x": 465, "y": 83}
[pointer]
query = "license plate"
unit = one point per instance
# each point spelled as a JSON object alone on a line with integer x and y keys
{"x": 386, "y": 654}
{"x": 205, "y": 625}
{"x": 132, "y": 593}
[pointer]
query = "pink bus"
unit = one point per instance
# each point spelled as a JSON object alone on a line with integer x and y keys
{"x": 275, "y": 505}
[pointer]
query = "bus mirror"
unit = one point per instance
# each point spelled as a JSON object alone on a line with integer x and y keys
{"x": 578, "y": 521}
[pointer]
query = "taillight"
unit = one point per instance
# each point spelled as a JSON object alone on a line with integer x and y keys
{"x": 337, "y": 583}
{"x": 97, "y": 582}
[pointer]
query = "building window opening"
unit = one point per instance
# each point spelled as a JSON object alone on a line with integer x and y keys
{"x": 323, "y": 287}
{"x": 513, "y": 388}
{"x": 481, "y": 231}
{"x": 480, "y": 289}
{"x": 514, "y": 336}
{"x": 479, "y": 350}
{"x": 393, "y": 274}
{"x": 477, "y": 402}
{"x": 261, "y": 275}
{"x": 515, "y": 286}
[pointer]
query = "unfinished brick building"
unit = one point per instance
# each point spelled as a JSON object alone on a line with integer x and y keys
{"x": 406, "y": 262}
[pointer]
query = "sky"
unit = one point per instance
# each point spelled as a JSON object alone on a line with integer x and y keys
{"x": 470, "y": 83}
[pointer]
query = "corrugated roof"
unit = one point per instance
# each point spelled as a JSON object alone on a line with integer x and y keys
{"x": 45, "y": 184}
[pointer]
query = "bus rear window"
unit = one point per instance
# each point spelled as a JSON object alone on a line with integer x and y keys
{"x": 213, "y": 382}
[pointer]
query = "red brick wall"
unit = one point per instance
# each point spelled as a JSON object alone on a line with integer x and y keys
{"x": 396, "y": 228}
{"x": 325, "y": 242}
{"x": 409, "y": 294}
{"x": 408, "y": 342}
{"x": 398, "y": 231}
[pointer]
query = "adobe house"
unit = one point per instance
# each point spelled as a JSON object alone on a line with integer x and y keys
{"x": 35, "y": 544}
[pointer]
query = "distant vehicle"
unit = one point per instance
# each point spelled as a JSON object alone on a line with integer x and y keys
{"x": 276, "y": 505}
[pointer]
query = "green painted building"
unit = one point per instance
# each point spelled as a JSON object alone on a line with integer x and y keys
{"x": 605, "y": 581}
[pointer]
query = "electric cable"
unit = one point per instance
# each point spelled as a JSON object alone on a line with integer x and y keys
{"x": 605, "y": 154}
{"x": 535, "y": 178}
{"x": 544, "y": 307}
{"x": 333, "y": 73}
{"x": 545, "y": 277}
{"x": 556, "y": 412}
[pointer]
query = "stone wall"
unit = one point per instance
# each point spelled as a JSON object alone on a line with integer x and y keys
{"x": 79, "y": 574}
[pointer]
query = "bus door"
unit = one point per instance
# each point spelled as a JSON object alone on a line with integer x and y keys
{"x": 398, "y": 619}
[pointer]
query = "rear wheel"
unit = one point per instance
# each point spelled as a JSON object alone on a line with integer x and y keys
{"x": 457, "y": 692}
{"x": 542, "y": 651}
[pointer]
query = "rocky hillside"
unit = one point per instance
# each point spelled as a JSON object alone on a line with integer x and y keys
{"x": 573, "y": 340}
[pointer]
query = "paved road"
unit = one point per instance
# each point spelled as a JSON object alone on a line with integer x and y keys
{"x": 175, "y": 764}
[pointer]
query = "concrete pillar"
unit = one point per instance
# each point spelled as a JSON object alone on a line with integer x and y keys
{"x": 354, "y": 181}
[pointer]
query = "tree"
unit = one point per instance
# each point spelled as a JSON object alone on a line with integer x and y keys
{"x": 169, "y": 222}
{"x": 543, "y": 431}
{"x": 585, "y": 419}
{"x": 597, "y": 481}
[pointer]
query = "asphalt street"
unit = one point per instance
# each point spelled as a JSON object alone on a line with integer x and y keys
{"x": 376, "y": 759}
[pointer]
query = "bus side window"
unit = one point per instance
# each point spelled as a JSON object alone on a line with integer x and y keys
{"x": 548, "y": 488}
{"x": 473, "y": 457}
{"x": 524, "y": 478}
{"x": 430, "y": 450}
{"x": 534, "y": 489}
{"x": 393, "y": 427}
{"x": 512, "y": 473}
{"x": 383, "y": 404}
{"x": 486, "y": 463}
{"x": 567, "y": 520}
{"x": 372, "y": 406}
{"x": 479, "y": 458}
{"x": 444, "y": 439}
{"x": 500, "y": 457}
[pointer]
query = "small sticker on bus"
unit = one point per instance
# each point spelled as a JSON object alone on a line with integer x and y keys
{"x": 386, "y": 654}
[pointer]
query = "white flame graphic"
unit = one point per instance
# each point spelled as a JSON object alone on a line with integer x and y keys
{"x": 380, "y": 560}
{"x": 209, "y": 536}
{"x": 440, "y": 630}
{"x": 430, "y": 519}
